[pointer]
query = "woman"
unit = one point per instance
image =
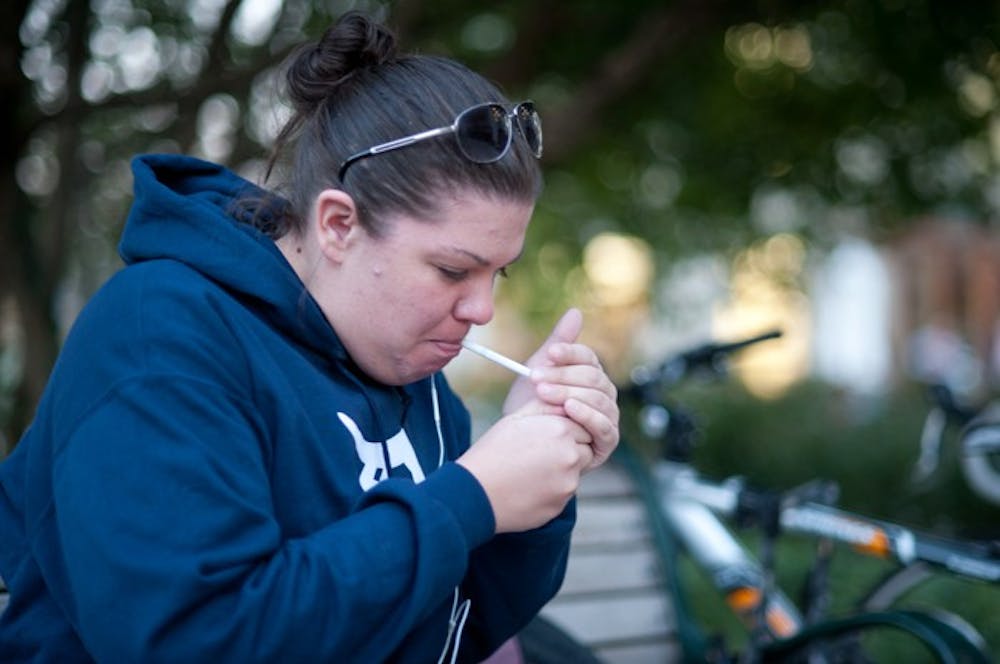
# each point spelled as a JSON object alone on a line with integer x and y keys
{"x": 247, "y": 451}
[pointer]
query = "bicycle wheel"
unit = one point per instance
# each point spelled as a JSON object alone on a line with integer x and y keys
{"x": 544, "y": 642}
{"x": 894, "y": 585}
{"x": 914, "y": 636}
{"x": 980, "y": 454}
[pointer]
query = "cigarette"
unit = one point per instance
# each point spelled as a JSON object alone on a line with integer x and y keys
{"x": 516, "y": 367}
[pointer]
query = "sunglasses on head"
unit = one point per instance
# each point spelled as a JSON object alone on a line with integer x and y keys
{"x": 484, "y": 133}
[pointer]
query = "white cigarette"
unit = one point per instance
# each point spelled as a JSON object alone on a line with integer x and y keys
{"x": 516, "y": 367}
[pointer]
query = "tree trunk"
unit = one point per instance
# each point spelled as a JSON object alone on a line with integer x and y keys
{"x": 19, "y": 259}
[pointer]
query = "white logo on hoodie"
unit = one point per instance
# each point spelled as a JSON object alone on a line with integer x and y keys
{"x": 400, "y": 453}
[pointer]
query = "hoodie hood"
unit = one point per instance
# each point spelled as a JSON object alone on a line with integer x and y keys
{"x": 190, "y": 210}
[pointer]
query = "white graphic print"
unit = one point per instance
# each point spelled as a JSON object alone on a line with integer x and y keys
{"x": 400, "y": 450}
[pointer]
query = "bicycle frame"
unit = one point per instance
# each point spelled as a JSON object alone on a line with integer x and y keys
{"x": 689, "y": 506}
{"x": 695, "y": 510}
{"x": 869, "y": 536}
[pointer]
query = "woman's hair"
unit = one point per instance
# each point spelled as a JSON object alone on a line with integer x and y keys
{"x": 352, "y": 90}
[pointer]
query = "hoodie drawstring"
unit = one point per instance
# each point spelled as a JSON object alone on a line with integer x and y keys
{"x": 459, "y": 611}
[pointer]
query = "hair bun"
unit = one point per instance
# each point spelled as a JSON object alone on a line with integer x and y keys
{"x": 353, "y": 42}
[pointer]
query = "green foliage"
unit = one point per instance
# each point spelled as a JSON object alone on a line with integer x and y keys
{"x": 674, "y": 122}
{"x": 868, "y": 445}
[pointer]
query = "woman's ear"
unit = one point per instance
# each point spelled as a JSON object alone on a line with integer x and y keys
{"x": 335, "y": 222}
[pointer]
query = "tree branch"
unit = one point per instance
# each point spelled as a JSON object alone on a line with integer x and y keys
{"x": 186, "y": 129}
{"x": 232, "y": 80}
{"x": 657, "y": 33}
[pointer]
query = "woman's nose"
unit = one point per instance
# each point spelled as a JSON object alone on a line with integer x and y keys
{"x": 476, "y": 305}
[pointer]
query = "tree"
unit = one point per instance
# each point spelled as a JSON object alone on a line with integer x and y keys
{"x": 679, "y": 122}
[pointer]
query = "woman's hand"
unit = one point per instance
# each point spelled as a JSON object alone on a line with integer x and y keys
{"x": 567, "y": 379}
{"x": 529, "y": 464}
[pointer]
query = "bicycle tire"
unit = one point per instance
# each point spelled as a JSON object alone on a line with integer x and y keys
{"x": 544, "y": 642}
{"x": 948, "y": 644}
{"x": 894, "y": 585}
{"x": 980, "y": 455}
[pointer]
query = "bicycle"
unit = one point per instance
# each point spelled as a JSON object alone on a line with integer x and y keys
{"x": 978, "y": 441}
{"x": 697, "y": 518}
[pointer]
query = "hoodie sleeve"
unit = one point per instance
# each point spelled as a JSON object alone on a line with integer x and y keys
{"x": 510, "y": 579}
{"x": 170, "y": 552}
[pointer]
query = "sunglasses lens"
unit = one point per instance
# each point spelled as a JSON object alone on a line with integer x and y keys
{"x": 530, "y": 124}
{"x": 484, "y": 133}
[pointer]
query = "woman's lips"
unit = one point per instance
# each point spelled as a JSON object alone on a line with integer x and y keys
{"x": 449, "y": 348}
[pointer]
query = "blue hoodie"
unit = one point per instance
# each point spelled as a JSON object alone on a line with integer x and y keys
{"x": 209, "y": 478}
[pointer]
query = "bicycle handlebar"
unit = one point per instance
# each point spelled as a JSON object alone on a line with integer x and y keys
{"x": 706, "y": 356}
{"x": 706, "y": 353}
{"x": 671, "y": 426}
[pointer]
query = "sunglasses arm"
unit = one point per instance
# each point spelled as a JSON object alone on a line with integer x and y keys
{"x": 394, "y": 145}
{"x": 408, "y": 140}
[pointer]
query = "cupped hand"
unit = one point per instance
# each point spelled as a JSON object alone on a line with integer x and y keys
{"x": 523, "y": 391}
{"x": 567, "y": 379}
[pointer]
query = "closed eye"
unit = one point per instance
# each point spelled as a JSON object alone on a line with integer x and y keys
{"x": 460, "y": 275}
{"x": 453, "y": 275}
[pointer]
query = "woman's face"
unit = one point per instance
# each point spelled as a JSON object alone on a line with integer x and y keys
{"x": 403, "y": 302}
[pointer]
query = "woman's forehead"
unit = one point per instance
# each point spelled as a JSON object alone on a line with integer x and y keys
{"x": 468, "y": 209}
{"x": 481, "y": 231}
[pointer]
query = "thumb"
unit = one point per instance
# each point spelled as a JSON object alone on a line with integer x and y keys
{"x": 566, "y": 330}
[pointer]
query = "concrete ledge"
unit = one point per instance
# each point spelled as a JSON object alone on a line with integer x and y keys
{"x": 612, "y": 599}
